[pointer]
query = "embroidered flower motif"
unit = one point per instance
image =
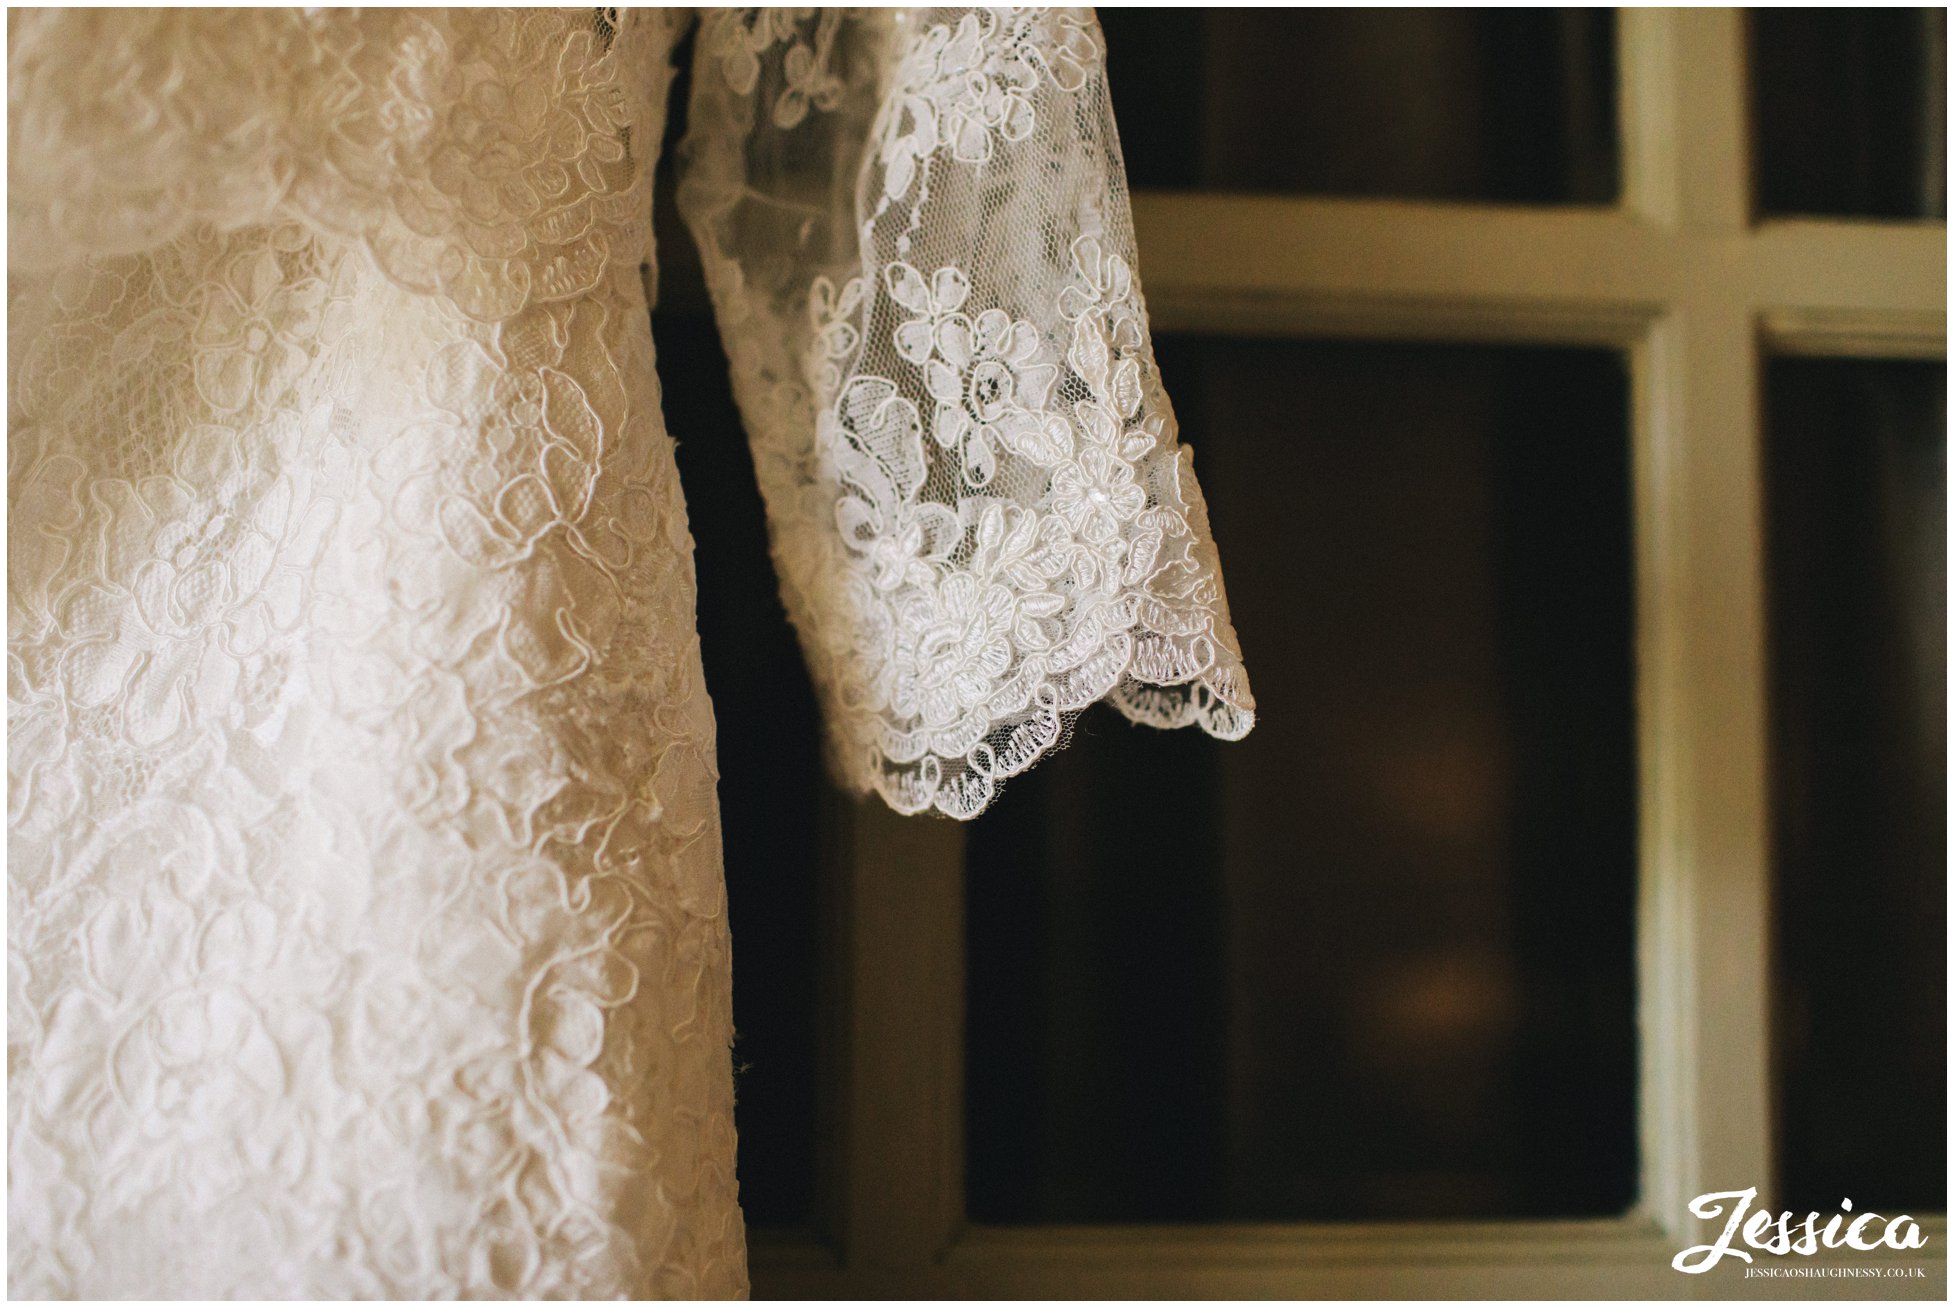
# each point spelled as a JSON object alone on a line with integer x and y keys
{"x": 515, "y": 455}
{"x": 211, "y": 558}
{"x": 1103, "y": 282}
{"x": 991, "y": 392}
{"x": 906, "y": 555}
{"x": 932, "y": 302}
{"x": 514, "y": 183}
{"x": 1059, "y": 45}
{"x": 989, "y": 389}
{"x": 875, "y": 438}
{"x": 196, "y": 1059}
{"x": 192, "y": 1049}
{"x": 738, "y": 37}
{"x": 967, "y": 89}
{"x": 831, "y": 313}
{"x": 1096, "y": 494}
{"x": 810, "y": 81}
{"x": 952, "y": 647}
{"x": 1019, "y": 547}
{"x": 256, "y": 333}
{"x": 484, "y": 160}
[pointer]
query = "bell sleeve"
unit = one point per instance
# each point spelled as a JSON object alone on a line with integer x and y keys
{"x": 916, "y": 230}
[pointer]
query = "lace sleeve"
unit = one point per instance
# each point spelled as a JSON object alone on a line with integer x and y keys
{"x": 916, "y": 228}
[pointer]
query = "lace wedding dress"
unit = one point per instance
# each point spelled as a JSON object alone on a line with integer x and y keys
{"x": 367, "y": 930}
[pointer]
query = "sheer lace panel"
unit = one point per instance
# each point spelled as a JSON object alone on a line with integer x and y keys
{"x": 918, "y": 237}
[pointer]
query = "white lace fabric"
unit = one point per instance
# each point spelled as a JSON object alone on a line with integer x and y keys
{"x": 367, "y": 930}
{"x": 993, "y": 525}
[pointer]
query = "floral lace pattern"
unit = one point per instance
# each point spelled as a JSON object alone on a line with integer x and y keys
{"x": 993, "y": 525}
{"x": 367, "y": 931}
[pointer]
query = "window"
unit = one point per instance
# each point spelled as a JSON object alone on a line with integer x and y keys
{"x": 1408, "y": 103}
{"x": 1856, "y": 461}
{"x": 1579, "y": 401}
{"x": 1375, "y": 961}
{"x": 1850, "y": 112}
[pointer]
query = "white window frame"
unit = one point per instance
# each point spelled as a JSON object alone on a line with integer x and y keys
{"x": 1697, "y": 295}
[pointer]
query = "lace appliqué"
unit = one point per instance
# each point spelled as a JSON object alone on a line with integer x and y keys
{"x": 993, "y": 524}
{"x": 367, "y": 933}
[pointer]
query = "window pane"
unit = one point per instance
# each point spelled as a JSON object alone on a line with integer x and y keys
{"x": 1851, "y": 111}
{"x": 1858, "y": 526}
{"x": 1510, "y": 105}
{"x": 1376, "y": 960}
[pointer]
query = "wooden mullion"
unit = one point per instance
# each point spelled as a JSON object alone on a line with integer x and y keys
{"x": 902, "y": 1181}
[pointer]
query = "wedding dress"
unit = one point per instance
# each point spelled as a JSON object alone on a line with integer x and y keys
{"x": 367, "y": 929}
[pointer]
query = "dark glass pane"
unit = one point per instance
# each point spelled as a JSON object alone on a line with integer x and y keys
{"x": 770, "y": 784}
{"x": 1851, "y": 111}
{"x": 1858, "y": 568}
{"x": 1376, "y": 960}
{"x": 1504, "y": 105}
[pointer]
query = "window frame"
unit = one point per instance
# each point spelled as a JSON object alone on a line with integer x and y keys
{"x": 1697, "y": 293}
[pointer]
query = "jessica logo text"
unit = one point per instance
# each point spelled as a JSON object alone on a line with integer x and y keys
{"x": 1773, "y": 1233}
